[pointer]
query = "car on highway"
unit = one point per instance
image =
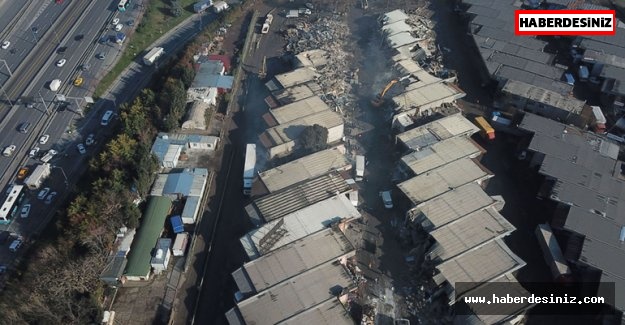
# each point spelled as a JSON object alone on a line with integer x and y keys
{"x": 104, "y": 39}
{"x": 101, "y": 56}
{"x": 6, "y": 44}
{"x": 61, "y": 62}
{"x": 43, "y": 193}
{"x": 84, "y": 67}
{"x": 16, "y": 244}
{"x": 49, "y": 155}
{"x": 44, "y": 138}
{"x": 24, "y": 127}
{"x": 90, "y": 139}
{"x": 55, "y": 84}
{"x": 79, "y": 37}
{"x": 25, "y": 211}
{"x": 119, "y": 27}
{"x": 9, "y": 189}
{"x": 61, "y": 50}
{"x": 81, "y": 148}
{"x": 78, "y": 81}
{"x": 115, "y": 21}
{"x": 50, "y": 197}
{"x": 22, "y": 173}
{"x": 8, "y": 150}
{"x": 33, "y": 152}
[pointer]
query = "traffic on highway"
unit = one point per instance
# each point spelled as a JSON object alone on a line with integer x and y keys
{"x": 52, "y": 55}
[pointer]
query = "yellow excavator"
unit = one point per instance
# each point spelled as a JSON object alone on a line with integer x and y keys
{"x": 379, "y": 98}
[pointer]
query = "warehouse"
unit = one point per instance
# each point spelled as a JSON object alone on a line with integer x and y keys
{"x": 447, "y": 127}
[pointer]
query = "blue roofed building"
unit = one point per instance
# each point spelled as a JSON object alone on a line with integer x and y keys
{"x": 209, "y": 82}
{"x": 187, "y": 186}
{"x": 169, "y": 146}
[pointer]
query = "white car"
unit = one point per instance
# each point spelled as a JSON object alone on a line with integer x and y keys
{"x": 118, "y": 27}
{"x": 33, "y": 152}
{"x": 81, "y": 148}
{"x": 43, "y": 193}
{"x": 44, "y": 138}
{"x": 61, "y": 62}
{"x": 25, "y": 211}
{"x": 8, "y": 151}
{"x": 6, "y": 44}
{"x": 115, "y": 21}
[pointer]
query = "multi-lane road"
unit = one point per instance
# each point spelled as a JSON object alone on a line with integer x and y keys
{"x": 69, "y": 31}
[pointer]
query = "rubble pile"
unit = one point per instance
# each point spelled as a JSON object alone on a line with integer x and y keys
{"x": 336, "y": 77}
{"x": 428, "y": 54}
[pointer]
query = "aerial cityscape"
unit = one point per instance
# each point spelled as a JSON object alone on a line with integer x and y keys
{"x": 251, "y": 162}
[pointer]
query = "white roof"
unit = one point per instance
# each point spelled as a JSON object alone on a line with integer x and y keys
{"x": 401, "y": 39}
{"x": 311, "y": 166}
{"x": 295, "y": 295}
{"x": 299, "y": 224}
{"x": 440, "y": 154}
{"x": 313, "y": 58}
{"x": 396, "y": 27}
{"x": 443, "y": 179}
{"x": 299, "y": 109}
{"x": 297, "y": 257}
{"x": 331, "y": 312}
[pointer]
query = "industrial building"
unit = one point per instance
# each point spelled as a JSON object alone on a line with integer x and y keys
{"x": 541, "y": 101}
{"x": 168, "y": 146}
{"x": 295, "y": 110}
{"x": 292, "y": 78}
{"x": 113, "y": 272}
{"x": 441, "y": 153}
{"x": 485, "y": 263}
{"x": 445, "y": 128}
{"x": 500, "y": 55}
{"x": 278, "y": 204}
{"x": 315, "y": 59}
{"x": 282, "y": 139}
{"x": 443, "y": 179}
{"x": 292, "y": 259}
{"x": 188, "y": 185}
{"x": 297, "y": 225}
{"x": 294, "y": 296}
{"x": 583, "y": 174}
{"x": 305, "y": 168}
{"x": 285, "y": 96}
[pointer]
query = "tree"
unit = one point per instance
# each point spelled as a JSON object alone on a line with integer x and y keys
{"x": 313, "y": 138}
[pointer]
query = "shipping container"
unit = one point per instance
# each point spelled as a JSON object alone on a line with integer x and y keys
{"x": 180, "y": 244}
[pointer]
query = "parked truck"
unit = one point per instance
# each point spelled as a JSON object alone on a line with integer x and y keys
{"x": 292, "y": 14}
{"x": 180, "y": 244}
{"x": 39, "y": 175}
{"x": 153, "y": 55}
{"x": 360, "y": 168}
{"x": 249, "y": 168}
{"x": 486, "y": 130}
{"x": 201, "y": 6}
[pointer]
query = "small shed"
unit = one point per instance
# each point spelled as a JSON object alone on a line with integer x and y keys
{"x": 220, "y": 6}
{"x": 176, "y": 224}
{"x": 162, "y": 253}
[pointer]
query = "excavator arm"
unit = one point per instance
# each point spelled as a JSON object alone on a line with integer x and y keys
{"x": 379, "y": 99}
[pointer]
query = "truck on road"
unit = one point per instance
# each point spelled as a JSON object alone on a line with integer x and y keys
{"x": 39, "y": 175}
{"x": 486, "y": 130}
{"x": 153, "y": 55}
{"x": 249, "y": 168}
{"x": 267, "y": 24}
{"x": 360, "y": 168}
{"x": 180, "y": 244}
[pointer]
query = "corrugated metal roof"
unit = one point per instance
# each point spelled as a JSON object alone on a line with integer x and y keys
{"x": 295, "y": 258}
{"x": 295, "y": 295}
{"x": 451, "y": 206}
{"x": 544, "y": 96}
{"x": 394, "y": 16}
{"x": 299, "y": 109}
{"x": 296, "y": 77}
{"x": 428, "y": 96}
{"x": 443, "y": 179}
{"x": 485, "y": 263}
{"x": 188, "y": 183}
{"x": 331, "y": 312}
{"x": 311, "y": 166}
{"x": 441, "y": 153}
{"x": 301, "y": 223}
{"x": 293, "y": 94}
{"x": 291, "y": 130}
{"x": 441, "y": 129}
{"x": 279, "y": 204}
{"x": 152, "y": 224}
{"x": 468, "y": 232}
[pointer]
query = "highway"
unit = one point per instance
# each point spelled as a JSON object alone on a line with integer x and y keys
{"x": 30, "y": 85}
